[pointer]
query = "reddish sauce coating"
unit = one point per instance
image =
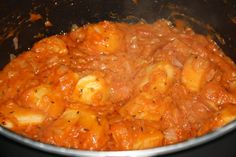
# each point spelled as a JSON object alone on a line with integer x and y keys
{"x": 119, "y": 86}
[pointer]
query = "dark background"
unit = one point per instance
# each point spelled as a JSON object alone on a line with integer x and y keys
{"x": 220, "y": 15}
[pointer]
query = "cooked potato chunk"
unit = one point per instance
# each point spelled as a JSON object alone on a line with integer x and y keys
{"x": 227, "y": 114}
{"x": 158, "y": 77}
{"x": 83, "y": 116}
{"x": 145, "y": 107}
{"x": 27, "y": 117}
{"x": 216, "y": 95}
{"x": 21, "y": 116}
{"x": 43, "y": 98}
{"x": 6, "y": 123}
{"x": 91, "y": 90}
{"x": 51, "y": 44}
{"x": 67, "y": 83}
{"x": 194, "y": 71}
{"x": 71, "y": 115}
{"x": 5, "y": 120}
{"x": 136, "y": 135}
{"x": 102, "y": 38}
{"x": 82, "y": 123}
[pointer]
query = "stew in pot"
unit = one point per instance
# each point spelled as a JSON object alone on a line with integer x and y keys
{"x": 119, "y": 86}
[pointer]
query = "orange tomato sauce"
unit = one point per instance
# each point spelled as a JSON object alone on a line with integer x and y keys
{"x": 119, "y": 86}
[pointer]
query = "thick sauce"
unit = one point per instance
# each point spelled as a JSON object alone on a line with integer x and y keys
{"x": 118, "y": 86}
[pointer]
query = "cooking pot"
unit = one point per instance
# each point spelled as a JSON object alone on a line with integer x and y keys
{"x": 18, "y": 32}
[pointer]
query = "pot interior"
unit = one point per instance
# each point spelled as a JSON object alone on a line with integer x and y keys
{"x": 209, "y": 17}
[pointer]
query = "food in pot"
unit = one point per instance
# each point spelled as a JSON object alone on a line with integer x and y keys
{"x": 119, "y": 86}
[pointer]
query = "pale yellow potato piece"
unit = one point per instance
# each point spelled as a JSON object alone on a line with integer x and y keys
{"x": 51, "y": 44}
{"x": 194, "y": 71}
{"x": 6, "y": 123}
{"x": 158, "y": 77}
{"x": 43, "y": 98}
{"x": 227, "y": 114}
{"x": 102, "y": 38}
{"x": 90, "y": 90}
{"x": 216, "y": 95}
{"x": 25, "y": 117}
{"x": 92, "y": 132}
{"x": 22, "y": 116}
{"x": 38, "y": 93}
{"x": 6, "y": 118}
{"x": 143, "y": 107}
{"x": 136, "y": 135}
{"x": 82, "y": 116}
{"x": 71, "y": 115}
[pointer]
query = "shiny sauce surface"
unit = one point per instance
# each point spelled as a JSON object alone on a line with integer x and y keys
{"x": 119, "y": 86}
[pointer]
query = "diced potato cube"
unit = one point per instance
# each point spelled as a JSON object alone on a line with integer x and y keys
{"x": 6, "y": 123}
{"x": 43, "y": 98}
{"x": 102, "y": 38}
{"x": 158, "y": 77}
{"x": 39, "y": 92}
{"x": 67, "y": 119}
{"x": 28, "y": 117}
{"x": 22, "y": 116}
{"x": 194, "y": 71}
{"x": 51, "y": 44}
{"x": 215, "y": 95}
{"x": 135, "y": 135}
{"x": 91, "y": 90}
{"x": 83, "y": 123}
{"x": 144, "y": 107}
{"x": 227, "y": 114}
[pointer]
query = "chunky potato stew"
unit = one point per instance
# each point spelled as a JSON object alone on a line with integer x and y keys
{"x": 119, "y": 86}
